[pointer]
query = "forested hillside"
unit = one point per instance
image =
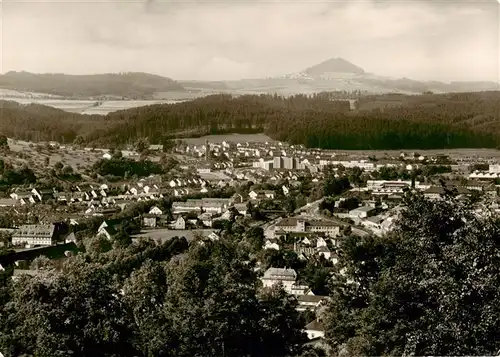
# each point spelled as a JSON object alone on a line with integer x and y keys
{"x": 35, "y": 122}
{"x": 129, "y": 85}
{"x": 389, "y": 121}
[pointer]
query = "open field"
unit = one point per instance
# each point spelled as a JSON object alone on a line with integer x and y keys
{"x": 167, "y": 234}
{"x": 31, "y": 156}
{"x": 92, "y": 106}
{"x": 482, "y": 153}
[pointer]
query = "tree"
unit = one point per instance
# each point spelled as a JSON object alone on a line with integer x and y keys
{"x": 141, "y": 145}
{"x": 350, "y": 203}
{"x": 280, "y": 309}
{"x": 144, "y": 294}
{"x": 58, "y": 166}
{"x": 67, "y": 170}
{"x": 41, "y": 262}
{"x": 290, "y": 204}
{"x": 335, "y": 186}
{"x": 78, "y": 313}
{"x": 4, "y": 144}
{"x": 437, "y": 272}
{"x": 79, "y": 141}
{"x": 211, "y": 283}
{"x": 99, "y": 244}
{"x": 255, "y": 237}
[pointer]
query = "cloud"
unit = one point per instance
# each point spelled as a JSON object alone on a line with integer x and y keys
{"x": 223, "y": 40}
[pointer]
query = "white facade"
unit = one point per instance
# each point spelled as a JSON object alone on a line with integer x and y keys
{"x": 286, "y": 277}
{"x": 494, "y": 169}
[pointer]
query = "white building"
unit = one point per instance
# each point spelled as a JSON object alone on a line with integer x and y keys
{"x": 494, "y": 169}
{"x": 362, "y": 212}
{"x": 296, "y": 225}
{"x": 286, "y": 277}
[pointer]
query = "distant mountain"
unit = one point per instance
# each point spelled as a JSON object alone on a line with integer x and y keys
{"x": 333, "y": 65}
{"x": 332, "y": 75}
{"x": 133, "y": 85}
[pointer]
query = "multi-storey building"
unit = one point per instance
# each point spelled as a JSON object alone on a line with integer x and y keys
{"x": 38, "y": 234}
{"x": 298, "y": 225}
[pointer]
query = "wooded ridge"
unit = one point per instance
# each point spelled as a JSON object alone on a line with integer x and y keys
{"x": 390, "y": 121}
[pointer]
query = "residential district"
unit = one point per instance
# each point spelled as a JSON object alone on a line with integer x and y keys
{"x": 300, "y": 200}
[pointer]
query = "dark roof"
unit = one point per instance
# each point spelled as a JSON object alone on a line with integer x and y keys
{"x": 440, "y": 190}
{"x": 51, "y": 252}
{"x": 287, "y": 222}
{"x": 44, "y": 230}
{"x": 321, "y": 223}
{"x": 311, "y": 298}
{"x": 315, "y": 326}
{"x": 113, "y": 222}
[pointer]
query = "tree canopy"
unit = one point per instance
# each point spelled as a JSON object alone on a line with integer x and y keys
{"x": 150, "y": 300}
{"x": 431, "y": 288}
{"x": 430, "y": 121}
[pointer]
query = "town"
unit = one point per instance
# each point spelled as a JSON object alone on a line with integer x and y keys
{"x": 295, "y": 203}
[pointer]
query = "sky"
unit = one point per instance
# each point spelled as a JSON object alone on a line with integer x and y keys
{"x": 447, "y": 40}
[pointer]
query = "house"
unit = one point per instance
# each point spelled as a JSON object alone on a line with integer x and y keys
{"x": 304, "y": 249}
{"x": 204, "y": 169}
{"x": 362, "y": 212}
{"x": 237, "y": 198}
{"x": 180, "y": 223}
{"x": 206, "y": 219}
{"x": 374, "y": 223}
{"x": 269, "y": 194}
{"x": 284, "y": 276}
{"x": 436, "y": 192}
{"x": 24, "y": 197}
{"x": 262, "y": 195}
{"x": 110, "y": 227}
{"x": 150, "y": 221}
{"x": 43, "y": 194}
{"x": 155, "y": 211}
{"x": 241, "y": 208}
{"x": 155, "y": 148}
{"x": 310, "y": 301}
{"x": 299, "y": 290}
{"x": 212, "y": 205}
{"x": 383, "y": 187}
{"x": 70, "y": 238}
{"x": 213, "y": 236}
{"x": 325, "y": 252}
{"x": 315, "y": 329}
{"x": 298, "y": 225}
{"x": 320, "y": 242}
{"x": 271, "y": 245}
{"x": 39, "y": 234}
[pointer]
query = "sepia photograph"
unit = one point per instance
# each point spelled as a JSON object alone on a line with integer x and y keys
{"x": 249, "y": 178}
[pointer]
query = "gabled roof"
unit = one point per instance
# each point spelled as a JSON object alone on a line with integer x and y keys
{"x": 42, "y": 230}
{"x": 315, "y": 326}
{"x": 280, "y": 273}
{"x": 311, "y": 298}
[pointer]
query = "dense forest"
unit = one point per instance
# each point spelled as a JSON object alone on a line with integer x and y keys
{"x": 390, "y": 121}
{"x": 128, "y": 85}
{"x": 36, "y": 123}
